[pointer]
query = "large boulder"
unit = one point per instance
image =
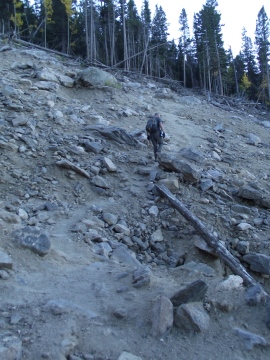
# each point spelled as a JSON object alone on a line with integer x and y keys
{"x": 93, "y": 76}
{"x": 171, "y": 162}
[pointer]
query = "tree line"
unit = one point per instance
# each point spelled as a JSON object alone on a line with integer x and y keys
{"x": 113, "y": 33}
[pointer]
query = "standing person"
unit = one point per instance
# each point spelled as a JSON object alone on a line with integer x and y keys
{"x": 155, "y": 133}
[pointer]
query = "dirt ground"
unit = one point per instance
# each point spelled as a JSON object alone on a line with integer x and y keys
{"x": 74, "y": 303}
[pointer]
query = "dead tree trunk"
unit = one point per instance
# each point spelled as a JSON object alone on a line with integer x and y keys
{"x": 223, "y": 254}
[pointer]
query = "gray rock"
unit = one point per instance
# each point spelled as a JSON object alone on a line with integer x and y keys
{"x": 192, "y": 154}
{"x": 141, "y": 277}
{"x": 193, "y": 292}
{"x": 9, "y": 91}
{"x": 4, "y": 275}
{"x": 10, "y": 348}
{"x": 110, "y": 219}
{"x": 120, "y": 313}
{"x": 46, "y": 74}
{"x": 189, "y": 172}
{"x": 153, "y": 210}
{"x": 266, "y": 202}
{"x": 266, "y": 124}
{"x": 206, "y": 184}
{"x": 125, "y": 256}
{"x": 100, "y": 182}
{"x": 258, "y": 262}
{"x": 241, "y": 209}
{"x": 192, "y": 317}
{"x": 172, "y": 183}
{"x": 33, "y": 239}
{"x": 250, "y": 339}
{"x": 109, "y": 164}
{"x": 103, "y": 249}
{"x": 156, "y": 236}
{"x": 62, "y": 306}
{"x": 65, "y": 80}
{"x": 47, "y": 85}
{"x": 162, "y": 316}
{"x": 128, "y": 356}
{"x": 253, "y": 139}
{"x": 214, "y": 174}
{"x": 267, "y": 317}
{"x": 114, "y": 133}
{"x": 139, "y": 242}
{"x": 255, "y": 295}
{"x": 202, "y": 245}
{"x": 91, "y": 146}
{"x": 243, "y": 226}
{"x": 9, "y": 217}
{"x": 122, "y": 229}
{"x": 247, "y": 192}
{"x": 92, "y": 76}
{"x": 20, "y": 120}
{"x": 199, "y": 268}
{"x": 8, "y": 146}
{"x": 5, "y": 260}
{"x": 242, "y": 247}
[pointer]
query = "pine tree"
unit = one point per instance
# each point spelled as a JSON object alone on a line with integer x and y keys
{"x": 210, "y": 52}
{"x": 262, "y": 42}
{"x": 146, "y": 32}
{"x": 184, "y": 40}
{"x": 134, "y": 27}
{"x": 107, "y": 37}
{"x": 159, "y": 42}
{"x": 249, "y": 62}
{"x": 231, "y": 85}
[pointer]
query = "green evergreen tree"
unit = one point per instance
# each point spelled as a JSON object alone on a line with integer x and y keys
{"x": 158, "y": 43}
{"x": 145, "y": 35}
{"x": 262, "y": 42}
{"x": 210, "y": 52}
{"x": 184, "y": 41}
{"x": 134, "y": 26}
{"x": 249, "y": 62}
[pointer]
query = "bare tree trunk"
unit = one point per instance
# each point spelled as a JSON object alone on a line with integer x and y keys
{"x": 126, "y": 63}
{"x": 91, "y": 31}
{"x": 184, "y": 69}
{"x": 15, "y": 20}
{"x": 208, "y": 68}
{"x": 86, "y": 30}
{"x": 219, "y": 69}
{"x": 268, "y": 80}
{"x": 112, "y": 38}
{"x": 227, "y": 258}
{"x": 68, "y": 38}
{"x": 235, "y": 77}
{"x": 146, "y": 43}
{"x": 39, "y": 26}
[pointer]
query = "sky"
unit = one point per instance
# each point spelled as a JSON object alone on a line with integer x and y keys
{"x": 235, "y": 15}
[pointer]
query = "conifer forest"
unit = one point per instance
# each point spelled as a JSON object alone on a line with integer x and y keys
{"x": 115, "y": 34}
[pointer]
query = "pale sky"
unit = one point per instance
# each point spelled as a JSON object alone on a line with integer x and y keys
{"x": 235, "y": 14}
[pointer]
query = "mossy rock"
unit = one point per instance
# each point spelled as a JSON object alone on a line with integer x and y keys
{"x": 93, "y": 76}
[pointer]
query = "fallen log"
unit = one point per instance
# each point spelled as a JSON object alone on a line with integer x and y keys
{"x": 219, "y": 249}
{"x": 68, "y": 165}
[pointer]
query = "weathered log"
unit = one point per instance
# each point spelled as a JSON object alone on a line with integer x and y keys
{"x": 68, "y": 165}
{"x": 26, "y": 43}
{"x": 220, "y": 250}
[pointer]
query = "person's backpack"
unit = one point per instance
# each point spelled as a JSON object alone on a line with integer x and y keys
{"x": 152, "y": 125}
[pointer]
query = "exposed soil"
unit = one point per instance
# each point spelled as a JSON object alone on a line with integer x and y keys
{"x": 66, "y": 304}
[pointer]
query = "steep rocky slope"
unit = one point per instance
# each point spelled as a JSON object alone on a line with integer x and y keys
{"x": 91, "y": 255}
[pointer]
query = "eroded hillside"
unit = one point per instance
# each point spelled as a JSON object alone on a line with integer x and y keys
{"x": 92, "y": 256}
